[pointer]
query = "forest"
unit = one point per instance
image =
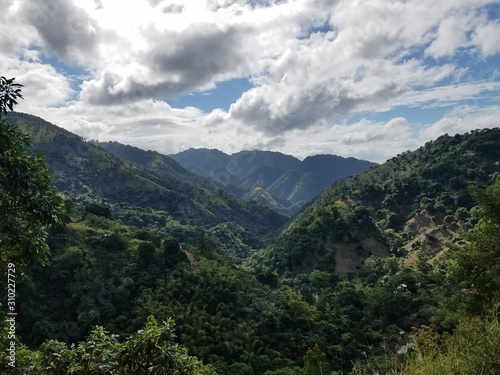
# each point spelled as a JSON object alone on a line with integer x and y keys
{"x": 123, "y": 268}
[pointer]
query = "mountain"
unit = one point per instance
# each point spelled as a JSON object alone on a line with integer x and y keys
{"x": 147, "y": 189}
{"x": 160, "y": 164}
{"x": 415, "y": 201}
{"x": 288, "y": 182}
{"x": 352, "y": 281}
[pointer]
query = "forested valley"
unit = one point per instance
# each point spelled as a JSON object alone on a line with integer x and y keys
{"x": 127, "y": 268}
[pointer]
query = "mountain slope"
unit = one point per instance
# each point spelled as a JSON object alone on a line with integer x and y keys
{"x": 249, "y": 320}
{"x": 410, "y": 202}
{"x": 159, "y": 163}
{"x": 83, "y": 170}
{"x": 289, "y": 181}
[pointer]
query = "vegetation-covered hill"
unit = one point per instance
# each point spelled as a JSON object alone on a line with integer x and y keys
{"x": 277, "y": 180}
{"x": 146, "y": 192}
{"x": 161, "y": 164}
{"x": 357, "y": 277}
{"x": 415, "y": 201}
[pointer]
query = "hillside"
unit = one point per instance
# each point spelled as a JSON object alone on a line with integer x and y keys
{"x": 158, "y": 163}
{"x": 361, "y": 274}
{"x": 352, "y": 281}
{"x": 149, "y": 190}
{"x": 415, "y": 201}
{"x": 288, "y": 182}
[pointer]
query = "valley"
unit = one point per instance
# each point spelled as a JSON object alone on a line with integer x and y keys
{"x": 342, "y": 285}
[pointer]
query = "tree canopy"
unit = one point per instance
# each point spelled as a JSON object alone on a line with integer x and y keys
{"x": 28, "y": 202}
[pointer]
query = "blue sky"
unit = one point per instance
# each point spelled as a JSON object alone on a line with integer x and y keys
{"x": 222, "y": 96}
{"x": 368, "y": 79}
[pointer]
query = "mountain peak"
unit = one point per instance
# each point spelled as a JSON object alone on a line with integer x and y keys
{"x": 288, "y": 181}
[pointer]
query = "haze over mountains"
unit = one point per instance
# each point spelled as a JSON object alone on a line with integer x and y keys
{"x": 272, "y": 178}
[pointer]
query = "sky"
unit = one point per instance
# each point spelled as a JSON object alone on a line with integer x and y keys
{"x": 362, "y": 78}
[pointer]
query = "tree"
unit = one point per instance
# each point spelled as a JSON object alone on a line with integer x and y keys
{"x": 154, "y": 351}
{"x": 9, "y": 93}
{"x": 146, "y": 252}
{"x": 172, "y": 252}
{"x": 477, "y": 267}
{"x": 315, "y": 362}
{"x": 28, "y": 202}
{"x": 151, "y": 351}
{"x": 98, "y": 210}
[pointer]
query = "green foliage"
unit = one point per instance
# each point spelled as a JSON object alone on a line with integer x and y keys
{"x": 477, "y": 265}
{"x": 152, "y": 350}
{"x": 285, "y": 371}
{"x": 146, "y": 252}
{"x": 98, "y": 210}
{"x": 489, "y": 202}
{"x": 474, "y": 348}
{"x": 319, "y": 279}
{"x": 234, "y": 241}
{"x": 28, "y": 202}
{"x": 332, "y": 295}
{"x": 385, "y": 204}
{"x": 9, "y": 93}
{"x": 141, "y": 193}
{"x": 315, "y": 362}
{"x": 242, "y": 320}
{"x": 172, "y": 252}
{"x": 96, "y": 355}
{"x": 225, "y": 313}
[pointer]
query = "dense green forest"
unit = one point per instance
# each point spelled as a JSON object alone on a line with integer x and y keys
{"x": 149, "y": 269}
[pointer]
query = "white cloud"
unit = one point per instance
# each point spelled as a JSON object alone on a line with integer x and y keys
{"x": 173, "y": 8}
{"x": 311, "y": 63}
{"x": 64, "y": 29}
{"x": 44, "y": 86}
{"x": 451, "y": 34}
{"x": 14, "y": 36}
{"x": 461, "y": 120}
{"x": 447, "y": 95}
{"x": 486, "y": 38}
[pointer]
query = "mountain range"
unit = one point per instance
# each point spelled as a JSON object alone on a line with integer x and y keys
{"x": 146, "y": 192}
{"x": 395, "y": 256}
{"x": 390, "y": 208}
{"x": 272, "y": 178}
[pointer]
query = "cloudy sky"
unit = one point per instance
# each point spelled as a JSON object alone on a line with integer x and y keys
{"x": 363, "y": 78}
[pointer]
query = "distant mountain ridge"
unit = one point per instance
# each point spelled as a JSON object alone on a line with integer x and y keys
{"x": 157, "y": 162}
{"x": 278, "y": 180}
{"x": 145, "y": 180}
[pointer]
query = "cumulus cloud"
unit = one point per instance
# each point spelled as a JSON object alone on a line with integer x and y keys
{"x": 173, "y": 8}
{"x": 14, "y": 36}
{"x": 363, "y": 64}
{"x": 44, "y": 86}
{"x": 451, "y": 34}
{"x": 461, "y": 120}
{"x": 312, "y": 64}
{"x": 486, "y": 38}
{"x": 174, "y": 63}
{"x": 64, "y": 28}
